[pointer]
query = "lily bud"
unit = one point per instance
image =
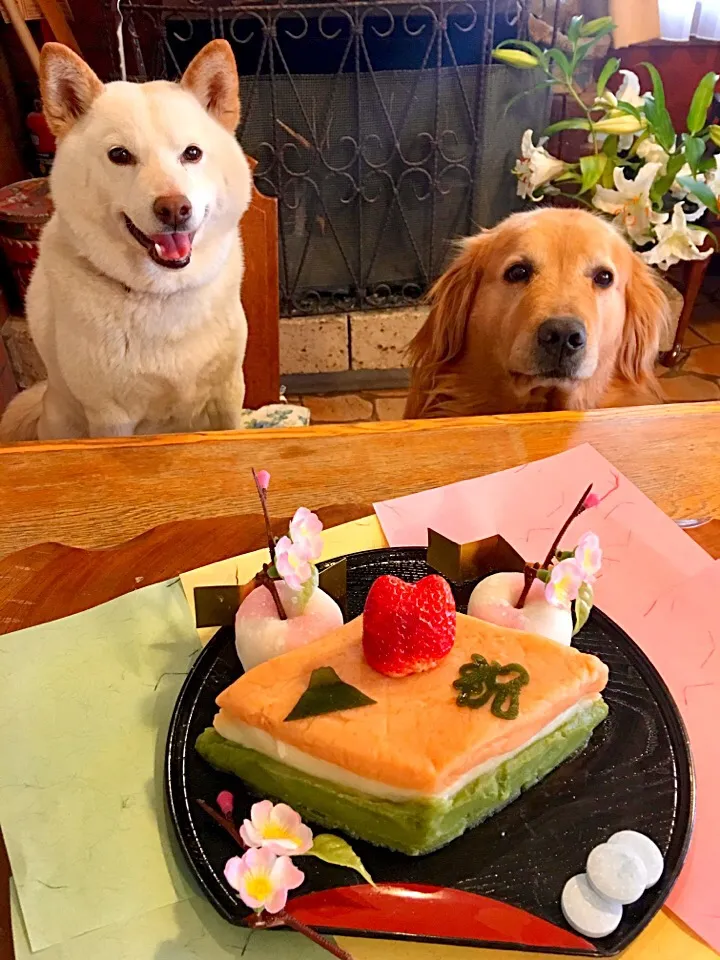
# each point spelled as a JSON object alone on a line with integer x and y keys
{"x": 714, "y": 131}
{"x": 619, "y": 125}
{"x": 517, "y": 58}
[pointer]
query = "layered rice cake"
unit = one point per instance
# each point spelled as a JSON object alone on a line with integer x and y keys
{"x": 413, "y": 770}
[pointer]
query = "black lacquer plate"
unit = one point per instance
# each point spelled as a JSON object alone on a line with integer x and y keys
{"x": 498, "y": 885}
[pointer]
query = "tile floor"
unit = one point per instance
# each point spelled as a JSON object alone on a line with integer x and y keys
{"x": 696, "y": 378}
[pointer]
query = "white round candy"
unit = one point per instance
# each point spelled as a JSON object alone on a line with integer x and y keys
{"x": 644, "y": 848}
{"x": 617, "y": 873}
{"x": 588, "y": 912}
{"x": 494, "y": 599}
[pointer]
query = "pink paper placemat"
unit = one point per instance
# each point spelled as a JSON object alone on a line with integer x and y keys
{"x": 656, "y": 583}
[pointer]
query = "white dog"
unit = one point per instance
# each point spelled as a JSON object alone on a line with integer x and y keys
{"x": 134, "y": 304}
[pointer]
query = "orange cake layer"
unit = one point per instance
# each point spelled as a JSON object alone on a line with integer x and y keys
{"x": 415, "y": 736}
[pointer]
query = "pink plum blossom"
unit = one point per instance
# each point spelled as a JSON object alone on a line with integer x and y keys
{"x": 292, "y": 563}
{"x": 277, "y": 828}
{"x": 225, "y": 802}
{"x": 305, "y": 532}
{"x": 263, "y": 880}
{"x": 263, "y": 479}
{"x": 564, "y": 583}
{"x": 589, "y": 556}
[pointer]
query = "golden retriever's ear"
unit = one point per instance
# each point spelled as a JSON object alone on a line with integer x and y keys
{"x": 212, "y": 78}
{"x": 442, "y": 336}
{"x": 68, "y": 87}
{"x": 646, "y": 314}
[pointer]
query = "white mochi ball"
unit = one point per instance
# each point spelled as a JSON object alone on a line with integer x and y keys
{"x": 260, "y": 634}
{"x": 494, "y": 599}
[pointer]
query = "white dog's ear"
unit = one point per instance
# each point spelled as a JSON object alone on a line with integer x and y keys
{"x": 68, "y": 87}
{"x": 212, "y": 78}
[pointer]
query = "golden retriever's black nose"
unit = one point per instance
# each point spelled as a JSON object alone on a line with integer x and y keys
{"x": 561, "y": 337}
{"x": 174, "y": 211}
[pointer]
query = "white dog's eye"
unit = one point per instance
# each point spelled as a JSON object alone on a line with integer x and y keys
{"x": 603, "y": 278}
{"x": 121, "y": 156}
{"x": 192, "y": 154}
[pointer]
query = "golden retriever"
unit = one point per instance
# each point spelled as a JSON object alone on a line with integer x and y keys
{"x": 550, "y": 310}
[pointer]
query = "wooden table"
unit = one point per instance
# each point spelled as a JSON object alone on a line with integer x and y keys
{"x": 189, "y": 500}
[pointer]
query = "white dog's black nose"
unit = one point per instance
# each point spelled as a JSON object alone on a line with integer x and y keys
{"x": 173, "y": 211}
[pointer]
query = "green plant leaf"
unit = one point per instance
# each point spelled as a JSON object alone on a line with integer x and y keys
{"x": 601, "y": 25}
{"x": 624, "y": 107}
{"x": 663, "y": 184}
{"x": 701, "y": 191}
{"x": 610, "y": 146}
{"x": 656, "y": 111}
{"x": 694, "y": 150}
{"x": 572, "y": 123}
{"x": 583, "y": 606}
{"x": 610, "y": 69}
{"x": 573, "y": 30}
{"x": 332, "y": 849}
{"x": 700, "y": 104}
{"x": 569, "y": 175}
{"x": 526, "y": 93}
{"x": 532, "y": 48}
{"x": 607, "y": 180}
{"x": 327, "y": 693}
{"x": 561, "y": 60}
{"x": 707, "y": 163}
{"x": 592, "y": 168}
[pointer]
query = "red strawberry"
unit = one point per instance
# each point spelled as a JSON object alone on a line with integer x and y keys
{"x": 408, "y": 628}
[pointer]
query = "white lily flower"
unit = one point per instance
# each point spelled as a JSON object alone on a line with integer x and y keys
{"x": 535, "y": 167}
{"x": 630, "y": 203}
{"x": 651, "y": 151}
{"x": 628, "y": 92}
{"x": 676, "y": 241}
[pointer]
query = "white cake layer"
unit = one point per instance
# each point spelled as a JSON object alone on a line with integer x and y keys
{"x": 262, "y": 742}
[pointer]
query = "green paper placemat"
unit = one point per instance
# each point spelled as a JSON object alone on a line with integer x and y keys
{"x": 189, "y": 930}
{"x": 85, "y": 704}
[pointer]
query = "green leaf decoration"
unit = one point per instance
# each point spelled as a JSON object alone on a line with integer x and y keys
{"x": 573, "y": 123}
{"x": 327, "y": 693}
{"x": 543, "y": 575}
{"x": 694, "y": 150}
{"x": 656, "y": 112}
{"x": 478, "y": 684}
{"x": 625, "y": 107}
{"x": 610, "y": 69}
{"x": 333, "y": 849}
{"x": 583, "y": 606}
{"x": 600, "y": 27}
{"x": 701, "y": 191}
{"x": 573, "y": 31}
{"x": 700, "y": 104}
{"x": 592, "y": 168}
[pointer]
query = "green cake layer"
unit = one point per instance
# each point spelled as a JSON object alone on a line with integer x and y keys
{"x": 417, "y": 826}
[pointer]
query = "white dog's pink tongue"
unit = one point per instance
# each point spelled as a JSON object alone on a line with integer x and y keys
{"x": 172, "y": 246}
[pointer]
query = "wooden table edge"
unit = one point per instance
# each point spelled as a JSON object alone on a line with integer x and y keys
{"x": 654, "y": 412}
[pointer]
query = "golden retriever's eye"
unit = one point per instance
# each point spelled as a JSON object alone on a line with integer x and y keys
{"x": 603, "y": 278}
{"x": 518, "y": 273}
{"x": 192, "y": 154}
{"x": 121, "y": 156}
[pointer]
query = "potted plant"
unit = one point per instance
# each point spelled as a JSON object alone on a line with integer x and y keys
{"x": 657, "y": 184}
